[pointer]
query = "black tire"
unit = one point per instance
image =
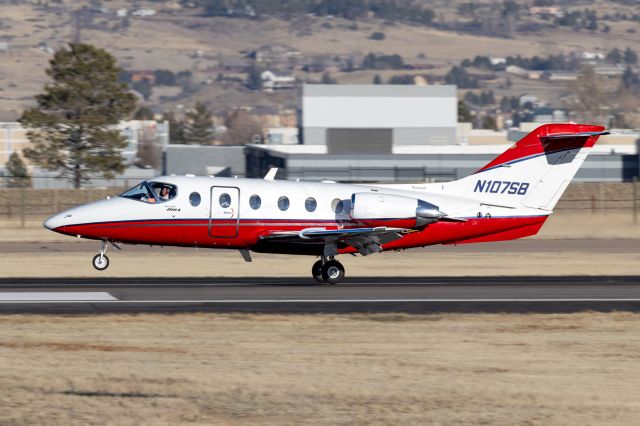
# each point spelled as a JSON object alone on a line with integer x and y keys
{"x": 332, "y": 272}
{"x": 316, "y": 272}
{"x": 100, "y": 266}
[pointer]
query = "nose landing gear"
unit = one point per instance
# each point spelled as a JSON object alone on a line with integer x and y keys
{"x": 101, "y": 261}
{"x": 327, "y": 270}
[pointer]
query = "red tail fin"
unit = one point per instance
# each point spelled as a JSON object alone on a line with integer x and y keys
{"x": 547, "y": 139}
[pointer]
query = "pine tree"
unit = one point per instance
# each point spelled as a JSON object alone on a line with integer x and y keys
{"x": 72, "y": 129}
{"x": 254, "y": 77}
{"x": 17, "y": 171}
{"x": 199, "y": 129}
{"x": 176, "y": 128}
{"x": 242, "y": 128}
{"x": 630, "y": 56}
{"x": 143, "y": 113}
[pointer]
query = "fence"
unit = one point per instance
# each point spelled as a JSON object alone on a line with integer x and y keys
{"x": 20, "y": 206}
{"x": 56, "y": 182}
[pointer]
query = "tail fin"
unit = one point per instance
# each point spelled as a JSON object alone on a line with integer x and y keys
{"x": 536, "y": 170}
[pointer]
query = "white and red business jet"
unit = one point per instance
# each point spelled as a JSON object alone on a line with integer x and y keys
{"x": 509, "y": 198}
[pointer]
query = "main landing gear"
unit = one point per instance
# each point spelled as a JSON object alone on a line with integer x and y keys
{"x": 100, "y": 260}
{"x": 327, "y": 270}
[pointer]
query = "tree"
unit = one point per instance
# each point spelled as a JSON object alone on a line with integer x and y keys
{"x": 199, "y": 128}
{"x": 143, "y": 87}
{"x": 377, "y": 79}
{"x": 630, "y": 56}
{"x": 72, "y": 129}
{"x": 614, "y": 56}
{"x": 489, "y": 122}
{"x": 17, "y": 171}
{"x": 464, "y": 114}
{"x": 164, "y": 77}
{"x": 254, "y": 77}
{"x": 461, "y": 78}
{"x": 327, "y": 79}
{"x": 215, "y": 8}
{"x": 242, "y": 128}
{"x": 590, "y": 101}
{"x": 176, "y": 128}
{"x": 143, "y": 113}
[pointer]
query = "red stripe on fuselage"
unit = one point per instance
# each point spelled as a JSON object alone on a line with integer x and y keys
{"x": 196, "y": 232}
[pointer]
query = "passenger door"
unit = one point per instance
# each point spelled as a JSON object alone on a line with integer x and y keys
{"x": 224, "y": 216}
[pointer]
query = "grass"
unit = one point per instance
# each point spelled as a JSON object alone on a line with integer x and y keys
{"x": 351, "y": 369}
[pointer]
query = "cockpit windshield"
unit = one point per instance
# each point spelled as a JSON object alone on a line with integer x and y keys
{"x": 151, "y": 192}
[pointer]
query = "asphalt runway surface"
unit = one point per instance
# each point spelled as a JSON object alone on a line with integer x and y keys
{"x": 302, "y": 295}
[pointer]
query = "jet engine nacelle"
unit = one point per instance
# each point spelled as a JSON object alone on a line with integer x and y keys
{"x": 374, "y": 205}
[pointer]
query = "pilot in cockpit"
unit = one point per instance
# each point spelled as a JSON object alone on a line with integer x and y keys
{"x": 165, "y": 193}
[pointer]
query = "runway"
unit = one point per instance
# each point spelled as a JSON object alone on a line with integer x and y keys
{"x": 301, "y": 295}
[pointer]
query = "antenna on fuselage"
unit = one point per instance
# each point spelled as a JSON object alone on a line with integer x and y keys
{"x": 271, "y": 174}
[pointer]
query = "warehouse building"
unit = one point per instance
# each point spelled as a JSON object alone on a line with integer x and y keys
{"x": 375, "y": 118}
{"x": 409, "y": 163}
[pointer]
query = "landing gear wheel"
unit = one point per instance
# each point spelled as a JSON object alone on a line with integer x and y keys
{"x": 332, "y": 272}
{"x": 100, "y": 262}
{"x": 316, "y": 272}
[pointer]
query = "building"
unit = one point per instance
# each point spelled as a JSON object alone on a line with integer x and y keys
{"x": 144, "y": 133}
{"x": 412, "y": 163}
{"x": 146, "y": 139}
{"x": 349, "y": 119}
{"x": 220, "y": 160}
{"x": 274, "y": 80}
{"x": 283, "y": 136}
{"x": 13, "y": 138}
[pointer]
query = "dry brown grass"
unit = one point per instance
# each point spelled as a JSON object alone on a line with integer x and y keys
{"x": 351, "y": 369}
{"x": 169, "y": 41}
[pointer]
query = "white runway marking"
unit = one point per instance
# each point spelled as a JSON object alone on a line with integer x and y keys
{"x": 111, "y": 300}
{"x": 55, "y": 296}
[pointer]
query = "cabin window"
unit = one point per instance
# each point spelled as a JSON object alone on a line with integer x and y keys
{"x": 283, "y": 203}
{"x": 337, "y": 205}
{"x": 310, "y": 204}
{"x": 151, "y": 192}
{"x": 255, "y": 202}
{"x": 194, "y": 199}
{"x": 224, "y": 200}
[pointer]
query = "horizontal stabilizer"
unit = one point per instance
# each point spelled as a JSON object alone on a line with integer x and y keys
{"x": 574, "y": 135}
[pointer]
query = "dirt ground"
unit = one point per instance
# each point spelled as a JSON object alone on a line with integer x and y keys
{"x": 266, "y": 369}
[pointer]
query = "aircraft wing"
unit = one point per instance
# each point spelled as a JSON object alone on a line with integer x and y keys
{"x": 365, "y": 240}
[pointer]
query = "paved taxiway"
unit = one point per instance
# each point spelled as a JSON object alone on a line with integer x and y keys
{"x": 361, "y": 294}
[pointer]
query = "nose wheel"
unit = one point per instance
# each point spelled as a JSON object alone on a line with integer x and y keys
{"x": 100, "y": 260}
{"x": 327, "y": 271}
